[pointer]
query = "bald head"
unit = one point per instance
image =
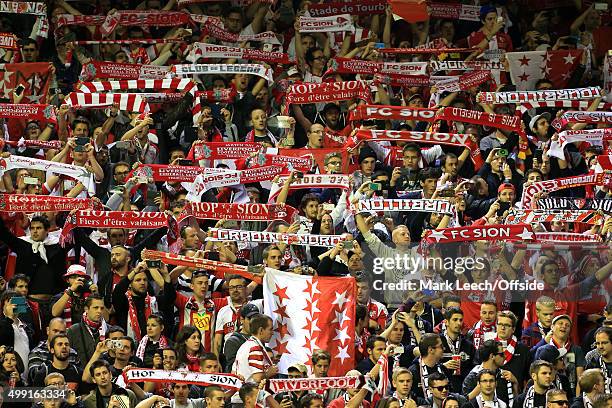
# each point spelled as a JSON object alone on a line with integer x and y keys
{"x": 56, "y": 326}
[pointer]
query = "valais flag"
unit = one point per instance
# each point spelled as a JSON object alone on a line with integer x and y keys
{"x": 311, "y": 313}
{"x": 526, "y": 68}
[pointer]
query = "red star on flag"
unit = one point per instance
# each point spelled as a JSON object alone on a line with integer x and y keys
{"x": 281, "y": 311}
{"x": 524, "y": 77}
{"x": 281, "y": 348}
{"x": 524, "y": 60}
{"x": 282, "y": 330}
{"x": 281, "y": 293}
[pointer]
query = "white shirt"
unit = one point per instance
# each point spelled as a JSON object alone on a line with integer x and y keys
{"x": 22, "y": 344}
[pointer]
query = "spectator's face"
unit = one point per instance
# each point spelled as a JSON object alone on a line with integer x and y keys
{"x": 561, "y": 328}
{"x": 355, "y": 263}
{"x": 416, "y": 103}
{"x": 543, "y": 377}
{"x": 311, "y": 208}
{"x": 318, "y": 60}
{"x": 193, "y": 342}
{"x": 401, "y": 235}
{"x": 367, "y": 165}
{"x": 176, "y": 154}
{"x": 534, "y": 177}
{"x": 334, "y": 165}
{"x": 210, "y": 366}
{"x": 102, "y": 377}
{"x": 154, "y": 329}
{"x": 61, "y": 349}
{"x": 169, "y": 359}
{"x": 116, "y": 236}
{"x": 199, "y": 285}
{"x": 429, "y": 186}
{"x": 217, "y": 400}
{"x": 38, "y": 231}
{"x": 273, "y": 259}
{"x": 242, "y": 82}
{"x": 379, "y": 347}
{"x": 139, "y": 284}
{"x": 604, "y": 345}
{"x": 263, "y": 97}
{"x": 259, "y": 119}
{"x": 181, "y": 393}
{"x": 320, "y": 369}
{"x": 363, "y": 293}
{"x": 21, "y": 287}
{"x": 265, "y": 334}
{"x": 81, "y": 130}
{"x": 56, "y": 327}
{"x": 332, "y": 116}
{"x": 214, "y": 10}
{"x": 505, "y": 328}
{"x": 487, "y": 384}
{"x": 218, "y": 84}
{"x": 550, "y": 275}
{"x": 121, "y": 58}
{"x": 487, "y": 313}
{"x": 397, "y": 333}
{"x": 119, "y": 257}
{"x": 233, "y": 23}
{"x": 125, "y": 353}
{"x": 451, "y": 166}
{"x": 455, "y": 323}
{"x": 95, "y": 311}
{"x": 120, "y": 174}
{"x": 506, "y": 196}
{"x": 545, "y": 314}
{"x": 253, "y": 196}
{"x": 315, "y": 136}
{"x": 30, "y": 53}
{"x": 410, "y": 159}
{"x": 541, "y": 127}
{"x": 307, "y": 42}
{"x": 403, "y": 384}
{"x": 9, "y": 363}
{"x": 490, "y": 20}
{"x": 439, "y": 389}
{"x": 237, "y": 290}
{"x": 191, "y": 239}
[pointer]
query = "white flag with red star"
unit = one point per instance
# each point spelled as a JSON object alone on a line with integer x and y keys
{"x": 526, "y": 68}
{"x": 311, "y": 313}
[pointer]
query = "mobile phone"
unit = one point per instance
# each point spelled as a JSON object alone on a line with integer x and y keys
{"x": 267, "y": 47}
{"x": 379, "y": 45}
{"x": 31, "y": 180}
{"x": 398, "y": 350}
{"x": 81, "y": 141}
{"x": 375, "y": 186}
{"x": 502, "y": 153}
{"x": 211, "y": 255}
{"x": 142, "y": 180}
{"x": 184, "y": 162}
{"x": 447, "y": 192}
{"x": 20, "y": 303}
{"x": 19, "y": 90}
{"x": 328, "y": 207}
{"x": 503, "y": 207}
{"x": 348, "y": 244}
{"x": 500, "y": 19}
{"x": 154, "y": 263}
{"x": 79, "y": 148}
{"x": 299, "y": 175}
{"x": 114, "y": 344}
{"x": 600, "y": 6}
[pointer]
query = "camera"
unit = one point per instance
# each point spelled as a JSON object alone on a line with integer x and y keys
{"x": 156, "y": 264}
{"x": 113, "y": 344}
{"x": 87, "y": 282}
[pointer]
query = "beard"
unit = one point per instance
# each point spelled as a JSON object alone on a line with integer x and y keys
{"x": 62, "y": 357}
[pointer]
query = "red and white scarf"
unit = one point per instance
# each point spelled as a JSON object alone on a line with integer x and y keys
{"x": 227, "y": 381}
{"x": 42, "y": 203}
{"x": 586, "y": 117}
{"x": 127, "y": 102}
{"x": 592, "y": 136}
{"x": 39, "y": 112}
{"x": 479, "y": 330}
{"x": 306, "y": 93}
{"x": 93, "y": 327}
{"x": 518, "y": 232}
{"x": 361, "y": 8}
{"x": 559, "y": 184}
{"x": 341, "y": 65}
{"x": 219, "y": 234}
{"x": 276, "y": 386}
{"x": 421, "y": 205}
{"x": 214, "y": 27}
{"x": 23, "y": 144}
{"x": 510, "y": 347}
{"x": 465, "y": 12}
{"x": 463, "y": 82}
{"x": 204, "y": 50}
{"x": 401, "y": 80}
{"x": 169, "y": 173}
{"x": 223, "y": 69}
{"x": 572, "y": 104}
{"x": 452, "y": 65}
{"x": 205, "y": 181}
{"x": 180, "y": 84}
{"x": 538, "y": 96}
{"x": 241, "y": 212}
{"x": 322, "y": 181}
{"x": 329, "y": 24}
{"x": 142, "y": 346}
{"x": 114, "y": 70}
{"x": 224, "y": 150}
{"x": 537, "y": 216}
{"x": 481, "y": 118}
{"x": 563, "y": 348}
{"x": 388, "y": 112}
{"x": 150, "y": 306}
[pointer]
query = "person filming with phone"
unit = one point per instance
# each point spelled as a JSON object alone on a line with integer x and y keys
{"x": 70, "y": 304}
{"x": 13, "y": 332}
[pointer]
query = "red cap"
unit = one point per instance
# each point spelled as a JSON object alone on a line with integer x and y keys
{"x": 505, "y": 186}
{"x": 75, "y": 270}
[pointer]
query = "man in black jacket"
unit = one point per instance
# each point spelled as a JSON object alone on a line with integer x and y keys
{"x": 84, "y": 336}
{"x": 41, "y": 259}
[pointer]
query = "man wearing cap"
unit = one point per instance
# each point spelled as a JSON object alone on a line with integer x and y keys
{"x": 551, "y": 354}
{"x": 69, "y": 304}
{"x": 541, "y": 373}
{"x": 539, "y": 125}
{"x": 240, "y": 336}
{"x": 559, "y": 337}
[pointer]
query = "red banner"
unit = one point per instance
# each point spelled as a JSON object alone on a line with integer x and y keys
{"x": 566, "y": 237}
{"x": 482, "y": 118}
{"x": 538, "y": 216}
{"x": 538, "y": 96}
{"x": 328, "y": 92}
{"x": 8, "y": 41}
{"x": 42, "y": 203}
{"x": 169, "y": 173}
{"x": 203, "y": 50}
{"x": 340, "y": 65}
{"x": 518, "y": 232}
{"x": 388, "y": 112}
{"x": 559, "y": 184}
{"x": 402, "y": 80}
{"x": 224, "y": 150}
{"x": 26, "y": 111}
{"x": 317, "y": 157}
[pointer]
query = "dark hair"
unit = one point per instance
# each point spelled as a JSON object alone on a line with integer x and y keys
{"x": 157, "y": 317}
{"x": 246, "y": 389}
{"x": 361, "y": 312}
{"x": 307, "y": 399}
{"x": 452, "y": 311}
{"x": 18, "y": 360}
{"x": 19, "y": 277}
{"x": 208, "y": 356}
{"x": 131, "y": 340}
{"x": 258, "y": 321}
{"x": 528, "y": 172}
{"x": 485, "y": 371}
{"x": 319, "y": 355}
{"x": 489, "y": 348}
{"x": 97, "y": 364}
{"x": 428, "y": 340}
{"x": 114, "y": 329}
{"x": 28, "y": 41}
{"x": 412, "y": 146}
{"x": 386, "y": 402}
{"x": 307, "y": 198}
{"x": 54, "y": 339}
{"x": 446, "y": 157}
{"x": 43, "y": 220}
{"x": 430, "y": 173}
{"x": 309, "y": 56}
{"x": 363, "y": 278}
{"x": 233, "y": 10}
{"x": 6, "y": 296}
{"x": 606, "y": 330}
{"x": 179, "y": 342}
{"x": 446, "y": 299}
{"x": 121, "y": 163}
{"x": 372, "y": 341}
{"x": 91, "y": 298}
{"x": 436, "y": 376}
{"x": 82, "y": 119}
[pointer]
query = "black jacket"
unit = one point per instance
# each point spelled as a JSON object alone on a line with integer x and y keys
{"x": 7, "y": 335}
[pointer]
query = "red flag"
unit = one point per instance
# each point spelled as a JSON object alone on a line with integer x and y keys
{"x": 526, "y": 68}
{"x": 410, "y": 10}
{"x": 311, "y": 313}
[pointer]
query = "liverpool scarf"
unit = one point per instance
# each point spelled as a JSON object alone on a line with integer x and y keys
{"x": 223, "y": 69}
{"x": 463, "y": 82}
{"x": 388, "y": 112}
{"x": 219, "y": 234}
{"x": 170, "y": 173}
{"x": 114, "y": 70}
{"x": 27, "y": 111}
{"x": 341, "y": 65}
{"x": 421, "y": 205}
{"x": 42, "y": 203}
{"x": 510, "y": 348}
{"x": 227, "y": 381}
{"x": 401, "y": 80}
{"x": 538, "y": 96}
{"x": 224, "y": 150}
{"x": 204, "y": 50}
{"x": 276, "y": 386}
{"x": 558, "y": 184}
{"x": 241, "y": 212}
{"x": 499, "y": 232}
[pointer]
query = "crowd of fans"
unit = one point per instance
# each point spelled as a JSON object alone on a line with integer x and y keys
{"x": 82, "y": 312}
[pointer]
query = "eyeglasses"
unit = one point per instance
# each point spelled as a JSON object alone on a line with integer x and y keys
{"x": 560, "y": 402}
{"x": 440, "y": 387}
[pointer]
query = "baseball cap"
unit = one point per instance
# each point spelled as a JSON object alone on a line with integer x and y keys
{"x": 548, "y": 353}
{"x": 415, "y": 96}
{"x": 331, "y": 105}
{"x": 300, "y": 367}
{"x": 505, "y": 186}
{"x": 563, "y": 316}
{"x": 75, "y": 270}
{"x": 293, "y": 71}
{"x": 249, "y": 310}
{"x": 535, "y": 119}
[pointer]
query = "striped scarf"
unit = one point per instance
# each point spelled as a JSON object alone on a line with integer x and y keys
{"x": 509, "y": 351}
{"x": 479, "y": 330}
{"x": 606, "y": 374}
{"x": 529, "y": 398}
